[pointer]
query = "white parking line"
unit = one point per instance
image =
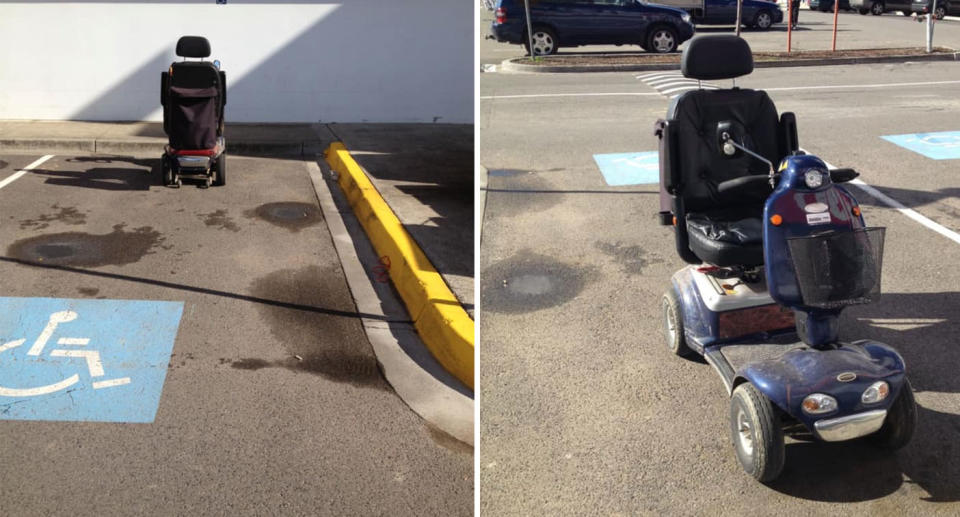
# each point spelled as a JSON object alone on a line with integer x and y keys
{"x": 848, "y": 86}
{"x": 15, "y": 176}
{"x": 547, "y": 95}
{"x": 900, "y": 207}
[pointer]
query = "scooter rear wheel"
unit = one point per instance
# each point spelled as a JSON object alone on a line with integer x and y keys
{"x": 673, "y": 325}
{"x": 756, "y": 433}
{"x": 166, "y": 171}
{"x": 901, "y": 420}
{"x": 220, "y": 170}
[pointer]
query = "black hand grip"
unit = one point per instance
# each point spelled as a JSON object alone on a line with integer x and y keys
{"x": 842, "y": 175}
{"x": 753, "y": 185}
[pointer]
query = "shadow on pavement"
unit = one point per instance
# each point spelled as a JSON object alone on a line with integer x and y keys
{"x": 106, "y": 178}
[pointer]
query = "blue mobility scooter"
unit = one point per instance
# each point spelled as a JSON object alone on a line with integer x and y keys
{"x": 775, "y": 254}
{"x": 193, "y": 95}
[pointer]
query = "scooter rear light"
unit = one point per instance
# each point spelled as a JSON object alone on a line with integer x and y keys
{"x": 818, "y": 403}
{"x": 875, "y": 393}
{"x": 501, "y": 15}
{"x": 776, "y": 220}
{"x": 856, "y": 211}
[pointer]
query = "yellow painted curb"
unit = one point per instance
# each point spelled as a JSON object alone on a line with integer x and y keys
{"x": 443, "y": 325}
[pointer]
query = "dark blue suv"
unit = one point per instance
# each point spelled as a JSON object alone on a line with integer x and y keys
{"x": 570, "y": 23}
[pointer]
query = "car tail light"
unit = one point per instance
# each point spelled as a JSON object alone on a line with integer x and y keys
{"x": 501, "y": 15}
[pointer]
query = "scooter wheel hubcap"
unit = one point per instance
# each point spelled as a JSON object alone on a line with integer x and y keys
{"x": 745, "y": 433}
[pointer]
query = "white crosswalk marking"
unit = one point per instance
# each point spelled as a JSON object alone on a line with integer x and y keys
{"x": 671, "y": 84}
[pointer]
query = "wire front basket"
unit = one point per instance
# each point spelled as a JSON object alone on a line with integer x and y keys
{"x": 838, "y": 268}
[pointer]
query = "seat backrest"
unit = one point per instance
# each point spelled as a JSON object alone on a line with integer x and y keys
{"x": 694, "y": 116}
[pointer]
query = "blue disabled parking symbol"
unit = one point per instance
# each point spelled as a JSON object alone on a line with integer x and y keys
{"x": 84, "y": 360}
{"x": 620, "y": 169}
{"x": 944, "y": 145}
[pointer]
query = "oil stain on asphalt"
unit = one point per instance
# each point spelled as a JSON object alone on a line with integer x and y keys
{"x": 290, "y": 215}
{"x": 632, "y": 259}
{"x": 529, "y": 282}
{"x": 63, "y": 214}
{"x": 118, "y": 247}
{"x": 219, "y": 219}
{"x": 331, "y": 345}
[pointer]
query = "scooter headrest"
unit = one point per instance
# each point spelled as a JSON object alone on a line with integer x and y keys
{"x": 193, "y": 46}
{"x": 721, "y": 56}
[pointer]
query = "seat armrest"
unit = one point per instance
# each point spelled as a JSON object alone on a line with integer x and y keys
{"x": 789, "y": 141}
{"x": 669, "y": 175}
{"x": 223, "y": 87}
{"x": 164, "y": 86}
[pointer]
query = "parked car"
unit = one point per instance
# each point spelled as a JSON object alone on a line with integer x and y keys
{"x": 827, "y": 5}
{"x": 759, "y": 14}
{"x": 878, "y": 7}
{"x": 571, "y": 23}
{"x": 944, "y": 8}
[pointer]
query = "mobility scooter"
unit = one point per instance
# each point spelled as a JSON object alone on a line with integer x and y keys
{"x": 193, "y": 95}
{"x": 774, "y": 254}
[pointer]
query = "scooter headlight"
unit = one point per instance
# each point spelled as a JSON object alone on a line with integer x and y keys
{"x": 818, "y": 403}
{"x": 813, "y": 178}
{"x": 875, "y": 393}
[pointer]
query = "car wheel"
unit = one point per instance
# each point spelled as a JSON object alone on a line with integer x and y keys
{"x": 876, "y": 8}
{"x": 756, "y": 433}
{"x": 544, "y": 42}
{"x": 900, "y": 422}
{"x": 939, "y": 13}
{"x": 673, "y": 325}
{"x": 763, "y": 20}
{"x": 662, "y": 40}
{"x": 220, "y": 170}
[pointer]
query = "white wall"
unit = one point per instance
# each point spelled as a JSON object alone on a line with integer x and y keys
{"x": 294, "y": 61}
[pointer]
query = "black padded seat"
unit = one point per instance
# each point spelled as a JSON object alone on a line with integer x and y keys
{"x": 727, "y": 237}
{"x": 720, "y": 222}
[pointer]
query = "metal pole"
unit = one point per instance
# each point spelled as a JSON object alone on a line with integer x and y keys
{"x": 526, "y": 5}
{"x": 790, "y": 22}
{"x": 933, "y": 9}
{"x": 836, "y": 9}
{"x": 739, "y": 9}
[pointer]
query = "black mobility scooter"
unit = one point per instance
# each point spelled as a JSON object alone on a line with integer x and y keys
{"x": 193, "y": 95}
{"x": 774, "y": 254}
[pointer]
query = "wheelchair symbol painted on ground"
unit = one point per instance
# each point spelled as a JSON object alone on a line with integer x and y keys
{"x": 84, "y": 360}
{"x": 944, "y": 145}
{"x": 620, "y": 169}
{"x": 92, "y": 357}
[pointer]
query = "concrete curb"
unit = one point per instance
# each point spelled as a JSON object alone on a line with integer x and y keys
{"x": 416, "y": 377}
{"x": 441, "y": 321}
{"x": 509, "y": 65}
{"x": 119, "y": 146}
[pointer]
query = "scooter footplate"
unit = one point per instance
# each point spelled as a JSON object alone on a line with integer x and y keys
{"x": 740, "y": 355}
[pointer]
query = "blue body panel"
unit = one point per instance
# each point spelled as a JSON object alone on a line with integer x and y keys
{"x": 800, "y": 372}
{"x": 788, "y": 201}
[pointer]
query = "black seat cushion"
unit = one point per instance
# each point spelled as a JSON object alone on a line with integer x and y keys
{"x": 722, "y": 229}
{"x": 727, "y": 237}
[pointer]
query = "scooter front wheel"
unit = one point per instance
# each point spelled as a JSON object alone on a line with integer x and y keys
{"x": 901, "y": 420}
{"x": 673, "y": 324}
{"x": 756, "y": 433}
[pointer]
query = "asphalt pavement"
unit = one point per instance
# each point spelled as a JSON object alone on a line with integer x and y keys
{"x": 583, "y": 408}
{"x": 270, "y": 401}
